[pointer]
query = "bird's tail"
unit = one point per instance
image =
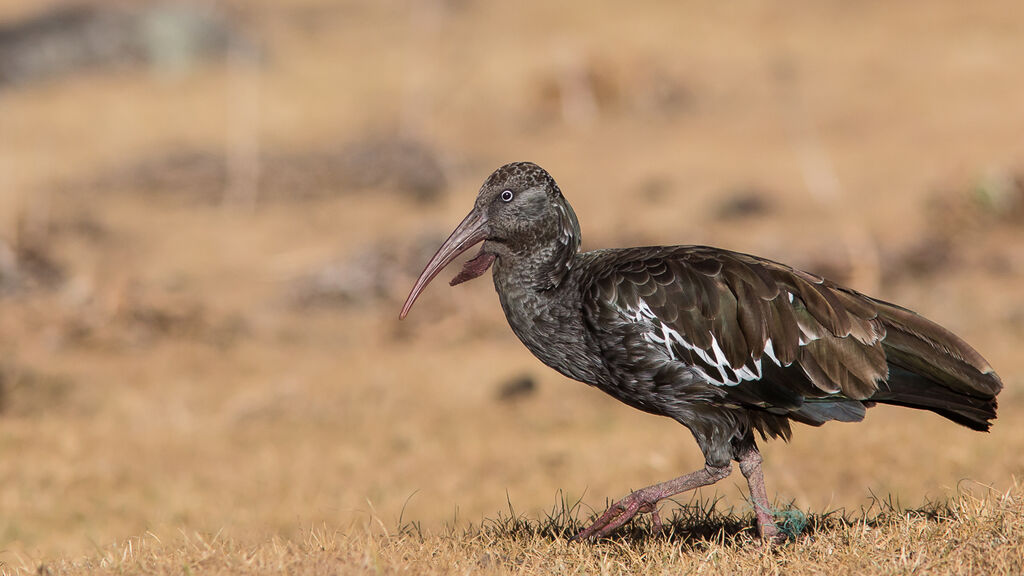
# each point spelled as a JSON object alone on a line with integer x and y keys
{"x": 915, "y": 391}
{"x": 933, "y": 369}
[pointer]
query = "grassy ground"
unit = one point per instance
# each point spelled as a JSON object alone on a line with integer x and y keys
{"x": 202, "y": 262}
{"x": 967, "y": 534}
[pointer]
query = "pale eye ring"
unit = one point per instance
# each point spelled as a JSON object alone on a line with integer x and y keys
{"x": 506, "y": 196}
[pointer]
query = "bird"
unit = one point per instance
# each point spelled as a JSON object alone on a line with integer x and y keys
{"x": 732, "y": 346}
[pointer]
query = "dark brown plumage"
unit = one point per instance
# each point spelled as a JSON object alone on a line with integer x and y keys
{"x": 725, "y": 343}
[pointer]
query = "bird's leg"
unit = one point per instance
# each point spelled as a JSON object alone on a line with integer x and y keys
{"x": 646, "y": 500}
{"x": 750, "y": 466}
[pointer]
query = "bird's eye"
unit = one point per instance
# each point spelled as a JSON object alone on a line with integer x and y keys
{"x": 506, "y": 196}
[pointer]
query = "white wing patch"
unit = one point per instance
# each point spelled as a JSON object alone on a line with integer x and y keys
{"x": 723, "y": 374}
{"x": 769, "y": 349}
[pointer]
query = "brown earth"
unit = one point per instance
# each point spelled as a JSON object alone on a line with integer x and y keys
{"x": 201, "y": 263}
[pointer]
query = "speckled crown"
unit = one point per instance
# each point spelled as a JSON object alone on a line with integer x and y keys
{"x": 524, "y": 175}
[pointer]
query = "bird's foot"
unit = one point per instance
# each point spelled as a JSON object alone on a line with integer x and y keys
{"x": 646, "y": 501}
{"x": 639, "y": 502}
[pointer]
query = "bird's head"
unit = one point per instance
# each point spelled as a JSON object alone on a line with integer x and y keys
{"x": 519, "y": 211}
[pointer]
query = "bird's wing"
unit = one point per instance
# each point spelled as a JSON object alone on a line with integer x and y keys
{"x": 766, "y": 334}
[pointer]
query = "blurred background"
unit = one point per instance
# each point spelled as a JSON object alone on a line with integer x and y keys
{"x": 211, "y": 212}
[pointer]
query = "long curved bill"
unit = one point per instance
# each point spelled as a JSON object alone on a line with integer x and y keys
{"x": 471, "y": 231}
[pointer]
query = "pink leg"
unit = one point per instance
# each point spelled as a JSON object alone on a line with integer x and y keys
{"x": 646, "y": 500}
{"x": 750, "y": 465}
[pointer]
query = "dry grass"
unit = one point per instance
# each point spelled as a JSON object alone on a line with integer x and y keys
{"x": 201, "y": 269}
{"x": 966, "y": 535}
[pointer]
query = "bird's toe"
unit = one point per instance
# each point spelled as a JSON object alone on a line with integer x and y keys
{"x": 621, "y": 512}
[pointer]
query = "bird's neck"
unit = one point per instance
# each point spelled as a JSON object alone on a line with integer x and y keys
{"x": 547, "y": 318}
{"x": 537, "y": 290}
{"x": 536, "y": 269}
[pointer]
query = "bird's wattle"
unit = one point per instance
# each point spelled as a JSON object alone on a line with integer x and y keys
{"x": 474, "y": 267}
